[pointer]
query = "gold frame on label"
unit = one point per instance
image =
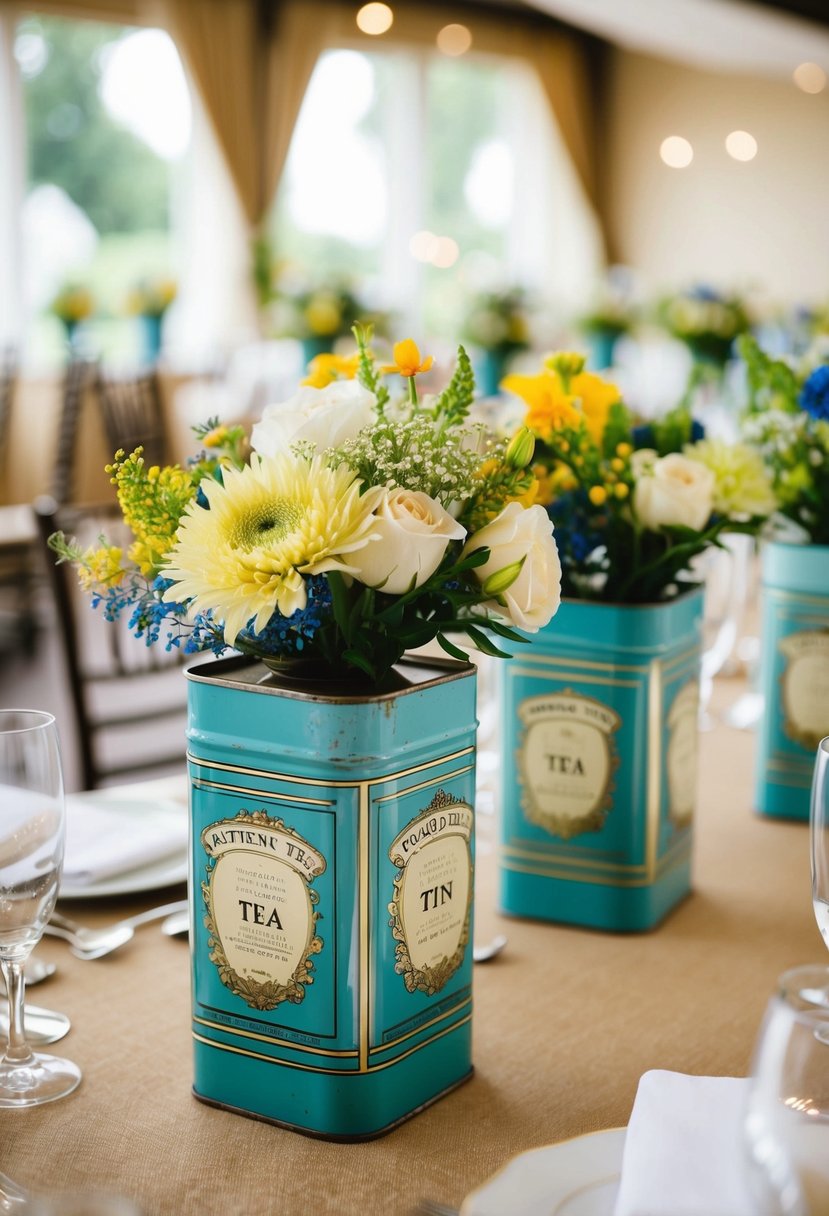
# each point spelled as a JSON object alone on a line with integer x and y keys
{"x": 428, "y": 979}
{"x": 566, "y": 827}
{"x": 684, "y": 820}
{"x": 259, "y": 995}
{"x": 807, "y": 739}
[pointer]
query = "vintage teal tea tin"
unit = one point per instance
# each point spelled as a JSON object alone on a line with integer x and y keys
{"x": 599, "y": 774}
{"x": 794, "y": 675}
{"x": 332, "y": 893}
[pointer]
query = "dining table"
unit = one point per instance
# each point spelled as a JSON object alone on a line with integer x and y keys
{"x": 566, "y": 1021}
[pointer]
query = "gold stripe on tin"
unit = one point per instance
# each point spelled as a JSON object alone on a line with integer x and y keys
{"x": 550, "y": 660}
{"x": 350, "y": 1053}
{"x": 691, "y": 656}
{"x": 203, "y": 784}
{"x": 556, "y": 857}
{"x": 795, "y": 764}
{"x": 654, "y": 762}
{"x": 365, "y": 928}
{"x": 578, "y": 676}
{"x": 336, "y": 1072}
{"x": 797, "y": 597}
{"x": 410, "y": 1035}
{"x": 668, "y": 863}
{"x": 795, "y": 781}
{"x": 332, "y": 784}
{"x": 411, "y": 789}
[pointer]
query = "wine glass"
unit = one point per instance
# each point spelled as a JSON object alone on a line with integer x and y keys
{"x": 787, "y": 1115}
{"x": 819, "y": 837}
{"x": 32, "y": 818}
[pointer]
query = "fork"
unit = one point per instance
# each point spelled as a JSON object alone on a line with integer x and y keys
{"x": 95, "y": 943}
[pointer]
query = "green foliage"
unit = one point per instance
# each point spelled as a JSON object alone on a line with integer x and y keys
{"x": 371, "y": 631}
{"x": 772, "y": 384}
{"x": 119, "y": 182}
{"x": 454, "y": 403}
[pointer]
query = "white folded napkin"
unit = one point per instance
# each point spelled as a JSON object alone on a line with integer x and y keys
{"x": 106, "y": 837}
{"x": 684, "y": 1153}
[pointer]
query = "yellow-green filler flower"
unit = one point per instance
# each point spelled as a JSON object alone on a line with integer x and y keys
{"x": 742, "y": 484}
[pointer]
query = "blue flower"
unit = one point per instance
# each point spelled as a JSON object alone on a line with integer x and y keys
{"x": 814, "y": 396}
{"x": 289, "y": 635}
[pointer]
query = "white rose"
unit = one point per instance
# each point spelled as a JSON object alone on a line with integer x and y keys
{"x": 532, "y": 600}
{"x": 675, "y": 491}
{"x": 324, "y": 416}
{"x": 413, "y": 531}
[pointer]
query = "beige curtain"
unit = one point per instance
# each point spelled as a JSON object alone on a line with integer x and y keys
{"x": 252, "y": 60}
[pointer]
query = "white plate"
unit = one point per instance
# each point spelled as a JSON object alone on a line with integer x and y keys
{"x": 577, "y": 1177}
{"x": 162, "y": 872}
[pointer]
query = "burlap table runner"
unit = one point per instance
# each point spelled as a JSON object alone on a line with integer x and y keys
{"x": 566, "y": 1021}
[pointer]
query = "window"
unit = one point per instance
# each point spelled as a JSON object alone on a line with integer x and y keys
{"x": 107, "y": 117}
{"x": 405, "y": 170}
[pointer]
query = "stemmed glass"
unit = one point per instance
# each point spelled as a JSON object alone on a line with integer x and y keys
{"x": 787, "y": 1116}
{"x": 819, "y": 835}
{"x": 32, "y": 818}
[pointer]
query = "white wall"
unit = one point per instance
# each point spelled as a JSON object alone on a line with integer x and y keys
{"x": 761, "y": 224}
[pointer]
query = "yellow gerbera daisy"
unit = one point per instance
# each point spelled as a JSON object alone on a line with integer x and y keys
{"x": 268, "y": 524}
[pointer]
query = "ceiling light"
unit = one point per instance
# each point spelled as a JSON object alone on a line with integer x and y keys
{"x": 375, "y": 19}
{"x": 741, "y": 146}
{"x": 676, "y": 152}
{"x": 810, "y": 77}
{"x": 454, "y": 40}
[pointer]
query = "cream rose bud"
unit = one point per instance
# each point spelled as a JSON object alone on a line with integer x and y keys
{"x": 674, "y": 491}
{"x": 325, "y": 417}
{"x": 412, "y": 532}
{"x": 521, "y": 536}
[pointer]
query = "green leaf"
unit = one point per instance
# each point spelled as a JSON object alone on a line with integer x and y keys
{"x": 451, "y": 649}
{"x": 484, "y": 644}
{"x": 356, "y": 659}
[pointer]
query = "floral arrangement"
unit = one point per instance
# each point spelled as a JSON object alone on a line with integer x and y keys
{"x": 362, "y": 524}
{"x": 612, "y": 312}
{"x": 498, "y": 321}
{"x": 706, "y": 321}
{"x": 152, "y": 297}
{"x": 72, "y": 304}
{"x": 632, "y": 505}
{"x": 318, "y": 312}
{"x": 787, "y": 422}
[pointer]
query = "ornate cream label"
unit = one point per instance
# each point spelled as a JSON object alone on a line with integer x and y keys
{"x": 566, "y": 762}
{"x": 804, "y": 683}
{"x": 681, "y": 758}
{"x": 430, "y": 910}
{"x": 261, "y": 909}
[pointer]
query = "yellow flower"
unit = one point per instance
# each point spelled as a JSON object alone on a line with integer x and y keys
{"x": 325, "y": 369}
{"x": 323, "y": 315}
{"x": 597, "y": 495}
{"x": 550, "y": 408}
{"x": 407, "y": 359}
{"x": 101, "y": 567}
{"x": 596, "y": 396}
{"x": 268, "y": 523}
{"x": 216, "y": 438}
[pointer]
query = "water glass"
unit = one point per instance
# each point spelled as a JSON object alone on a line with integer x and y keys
{"x": 819, "y": 836}
{"x": 32, "y": 825}
{"x": 787, "y": 1116}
